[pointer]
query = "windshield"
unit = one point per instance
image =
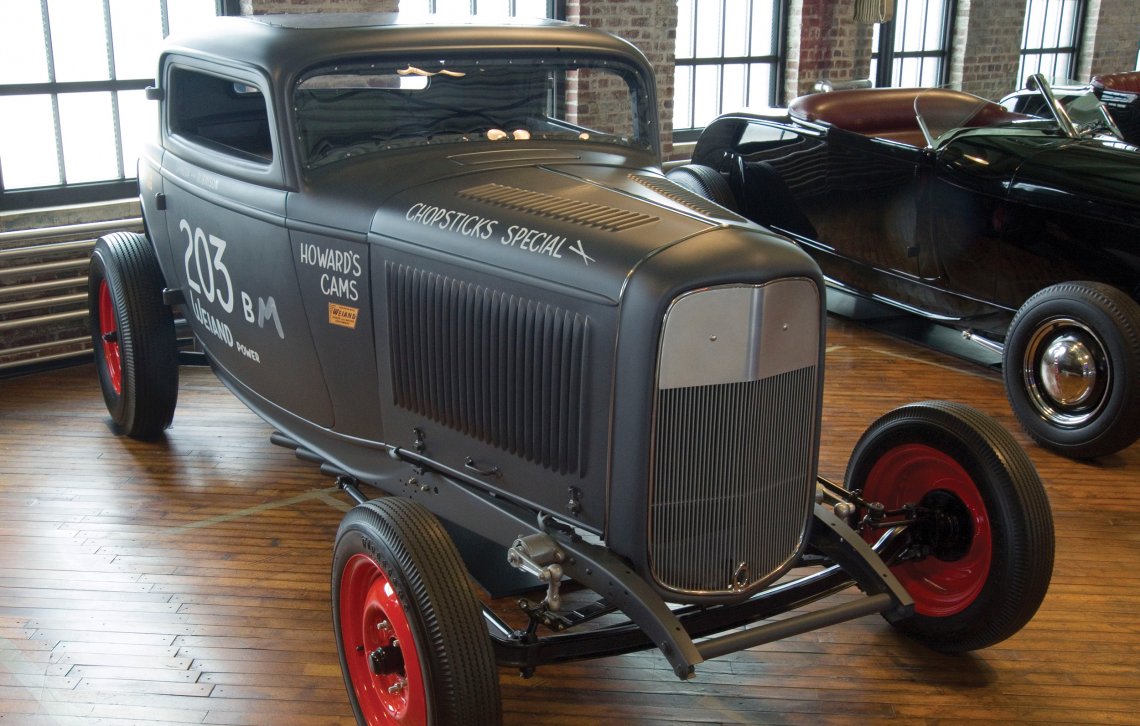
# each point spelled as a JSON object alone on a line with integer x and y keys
{"x": 940, "y": 113}
{"x": 347, "y": 110}
{"x": 1089, "y": 115}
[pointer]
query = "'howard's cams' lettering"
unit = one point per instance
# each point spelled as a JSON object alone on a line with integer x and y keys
{"x": 346, "y": 263}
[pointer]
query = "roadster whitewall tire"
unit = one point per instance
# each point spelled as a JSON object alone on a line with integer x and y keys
{"x": 1072, "y": 368}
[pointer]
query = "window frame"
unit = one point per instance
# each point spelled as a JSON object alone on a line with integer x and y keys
{"x": 85, "y": 192}
{"x": 884, "y": 55}
{"x": 555, "y": 9}
{"x": 777, "y": 61}
{"x": 1072, "y": 50}
{"x": 214, "y": 157}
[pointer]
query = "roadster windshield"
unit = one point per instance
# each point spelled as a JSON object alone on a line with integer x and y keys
{"x": 347, "y": 110}
{"x": 941, "y": 114}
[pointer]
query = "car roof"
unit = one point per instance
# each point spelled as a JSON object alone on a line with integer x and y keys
{"x": 284, "y": 45}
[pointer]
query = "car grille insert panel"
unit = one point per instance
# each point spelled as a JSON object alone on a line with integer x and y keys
{"x": 734, "y": 458}
{"x": 500, "y": 368}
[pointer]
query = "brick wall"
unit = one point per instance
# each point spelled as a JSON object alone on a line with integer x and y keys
{"x": 825, "y": 42}
{"x": 1112, "y": 31}
{"x": 987, "y": 46}
{"x": 651, "y": 25}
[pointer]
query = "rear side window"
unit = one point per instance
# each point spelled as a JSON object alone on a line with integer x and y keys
{"x": 762, "y": 136}
{"x": 221, "y": 114}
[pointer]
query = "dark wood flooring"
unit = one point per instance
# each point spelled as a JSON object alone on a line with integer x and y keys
{"x": 186, "y": 581}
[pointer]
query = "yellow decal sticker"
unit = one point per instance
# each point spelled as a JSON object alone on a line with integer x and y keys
{"x": 343, "y": 315}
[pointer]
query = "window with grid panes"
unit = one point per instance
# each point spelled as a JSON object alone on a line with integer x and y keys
{"x": 912, "y": 50}
{"x": 1049, "y": 39}
{"x": 489, "y": 8}
{"x": 729, "y": 57}
{"x": 72, "y": 80}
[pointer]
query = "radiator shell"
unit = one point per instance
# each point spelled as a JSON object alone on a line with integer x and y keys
{"x": 734, "y": 437}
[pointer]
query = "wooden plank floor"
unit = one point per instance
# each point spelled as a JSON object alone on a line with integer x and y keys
{"x": 187, "y": 582}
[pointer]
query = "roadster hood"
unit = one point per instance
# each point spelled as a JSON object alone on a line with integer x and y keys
{"x": 1090, "y": 177}
{"x": 580, "y": 226}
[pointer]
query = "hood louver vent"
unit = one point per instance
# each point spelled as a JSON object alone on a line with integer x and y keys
{"x": 500, "y": 368}
{"x": 681, "y": 195}
{"x": 574, "y": 211}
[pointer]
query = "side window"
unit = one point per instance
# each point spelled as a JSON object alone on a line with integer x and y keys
{"x": 758, "y": 137}
{"x": 219, "y": 113}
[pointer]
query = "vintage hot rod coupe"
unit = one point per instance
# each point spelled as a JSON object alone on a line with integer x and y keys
{"x": 443, "y": 261}
{"x": 1023, "y": 232}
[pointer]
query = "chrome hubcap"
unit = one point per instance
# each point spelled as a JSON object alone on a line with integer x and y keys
{"x": 1066, "y": 372}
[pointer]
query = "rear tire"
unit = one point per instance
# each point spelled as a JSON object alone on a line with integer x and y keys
{"x": 987, "y": 540}
{"x": 1072, "y": 369}
{"x": 411, "y": 638}
{"x": 707, "y": 182}
{"x": 132, "y": 331}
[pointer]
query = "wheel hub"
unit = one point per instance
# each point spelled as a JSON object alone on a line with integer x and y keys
{"x": 387, "y": 680}
{"x": 951, "y": 541}
{"x": 387, "y": 661}
{"x": 1068, "y": 371}
{"x": 945, "y": 528}
{"x": 109, "y": 335}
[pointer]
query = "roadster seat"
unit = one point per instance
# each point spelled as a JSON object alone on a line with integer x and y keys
{"x": 1126, "y": 82}
{"x": 1121, "y": 93}
{"x": 889, "y": 113}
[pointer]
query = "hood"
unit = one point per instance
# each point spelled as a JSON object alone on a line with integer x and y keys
{"x": 1092, "y": 177}
{"x": 574, "y": 225}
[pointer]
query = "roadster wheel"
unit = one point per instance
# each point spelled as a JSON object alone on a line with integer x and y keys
{"x": 1072, "y": 368}
{"x": 412, "y": 643}
{"x": 978, "y": 556}
{"x": 132, "y": 331}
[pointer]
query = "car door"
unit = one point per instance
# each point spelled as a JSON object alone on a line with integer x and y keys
{"x": 224, "y": 204}
{"x": 867, "y": 212}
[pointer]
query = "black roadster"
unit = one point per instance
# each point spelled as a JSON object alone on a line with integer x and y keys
{"x": 1020, "y": 231}
{"x": 444, "y": 262}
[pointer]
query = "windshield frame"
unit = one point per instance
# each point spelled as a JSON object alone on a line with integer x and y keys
{"x": 451, "y": 67}
{"x": 1082, "y": 116}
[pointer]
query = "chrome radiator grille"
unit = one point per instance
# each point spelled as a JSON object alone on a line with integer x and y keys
{"x": 733, "y": 464}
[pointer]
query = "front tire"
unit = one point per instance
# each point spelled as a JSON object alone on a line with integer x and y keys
{"x": 1072, "y": 369}
{"x": 979, "y": 561}
{"x": 132, "y": 331}
{"x": 412, "y": 642}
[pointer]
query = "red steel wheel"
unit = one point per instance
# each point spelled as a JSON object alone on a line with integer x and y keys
{"x": 385, "y": 674}
{"x": 109, "y": 334}
{"x": 977, "y": 548}
{"x": 413, "y": 646}
{"x": 918, "y": 474}
{"x": 132, "y": 335}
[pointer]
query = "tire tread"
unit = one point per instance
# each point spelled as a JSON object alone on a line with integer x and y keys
{"x": 1027, "y": 526}
{"x": 147, "y": 340}
{"x": 1112, "y": 435}
{"x": 464, "y": 664}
